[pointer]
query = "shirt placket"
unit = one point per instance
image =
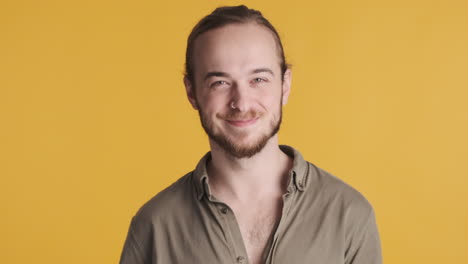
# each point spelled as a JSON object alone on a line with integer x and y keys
{"x": 233, "y": 234}
{"x": 232, "y": 229}
{"x": 287, "y": 200}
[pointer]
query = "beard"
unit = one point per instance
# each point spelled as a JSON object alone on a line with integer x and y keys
{"x": 235, "y": 147}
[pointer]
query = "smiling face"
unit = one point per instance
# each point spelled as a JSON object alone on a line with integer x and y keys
{"x": 238, "y": 87}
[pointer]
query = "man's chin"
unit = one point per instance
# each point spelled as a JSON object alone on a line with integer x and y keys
{"x": 241, "y": 152}
{"x": 241, "y": 148}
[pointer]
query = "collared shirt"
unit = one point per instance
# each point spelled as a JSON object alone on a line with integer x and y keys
{"x": 323, "y": 220}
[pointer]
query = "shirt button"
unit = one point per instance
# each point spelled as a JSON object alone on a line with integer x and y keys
{"x": 240, "y": 259}
{"x": 224, "y": 210}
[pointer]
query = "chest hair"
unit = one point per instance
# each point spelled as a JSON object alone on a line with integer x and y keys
{"x": 257, "y": 225}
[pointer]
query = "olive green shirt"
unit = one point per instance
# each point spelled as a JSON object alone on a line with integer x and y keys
{"x": 323, "y": 221}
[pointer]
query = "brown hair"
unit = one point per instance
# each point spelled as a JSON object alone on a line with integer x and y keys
{"x": 226, "y": 15}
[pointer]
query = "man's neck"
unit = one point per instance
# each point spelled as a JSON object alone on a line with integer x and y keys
{"x": 246, "y": 179}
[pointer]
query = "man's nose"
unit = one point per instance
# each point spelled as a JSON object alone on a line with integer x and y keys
{"x": 240, "y": 97}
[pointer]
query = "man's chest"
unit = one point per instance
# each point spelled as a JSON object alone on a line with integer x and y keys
{"x": 240, "y": 234}
{"x": 222, "y": 236}
{"x": 257, "y": 226}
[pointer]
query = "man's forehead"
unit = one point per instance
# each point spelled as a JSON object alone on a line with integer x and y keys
{"x": 248, "y": 45}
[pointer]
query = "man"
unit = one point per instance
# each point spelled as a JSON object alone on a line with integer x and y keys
{"x": 248, "y": 200}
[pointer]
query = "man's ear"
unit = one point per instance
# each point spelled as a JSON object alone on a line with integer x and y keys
{"x": 190, "y": 90}
{"x": 286, "y": 89}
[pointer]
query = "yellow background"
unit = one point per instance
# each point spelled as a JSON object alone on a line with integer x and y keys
{"x": 94, "y": 119}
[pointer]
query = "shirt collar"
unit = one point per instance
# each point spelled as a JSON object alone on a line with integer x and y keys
{"x": 298, "y": 180}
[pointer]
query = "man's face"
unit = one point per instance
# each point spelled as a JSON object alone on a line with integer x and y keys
{"x": 238, "y": 87}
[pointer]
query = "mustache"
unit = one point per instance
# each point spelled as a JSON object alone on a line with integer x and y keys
{"x": 236, "y": 115}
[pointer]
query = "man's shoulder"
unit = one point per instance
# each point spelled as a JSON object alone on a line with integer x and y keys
{"x": 157, "y": 217}
{"x": 329, "y": 187}
{"x": 170, "y": 200}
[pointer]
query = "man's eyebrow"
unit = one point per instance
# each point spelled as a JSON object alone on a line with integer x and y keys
{"x": 263, "y": 70}
{"x": 224, "y": 74}
{"x": 215, "y": 74}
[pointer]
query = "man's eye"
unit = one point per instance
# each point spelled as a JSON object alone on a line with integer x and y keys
{"x": 259, "y": 80}
{"x": 218, "y": 83}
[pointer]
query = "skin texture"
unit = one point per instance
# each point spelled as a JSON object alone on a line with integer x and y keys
{"x": 239, "y": 92}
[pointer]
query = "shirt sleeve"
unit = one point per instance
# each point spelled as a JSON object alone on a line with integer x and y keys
{"x": 365, "y": 246}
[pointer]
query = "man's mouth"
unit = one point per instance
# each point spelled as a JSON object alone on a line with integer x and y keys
{"x": 241, "y": 122}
